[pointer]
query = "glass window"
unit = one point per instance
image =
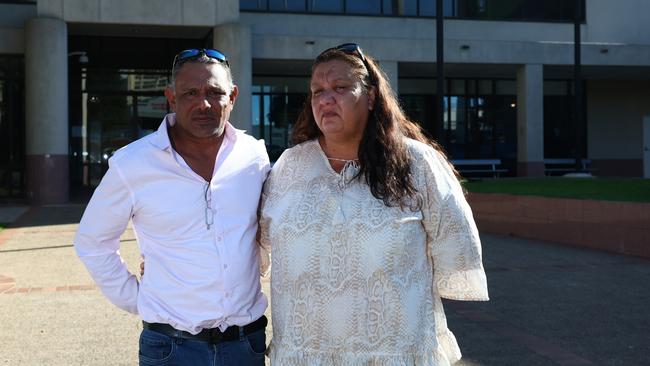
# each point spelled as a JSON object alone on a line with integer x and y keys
{"x": 532, "y": 10}
{"x": 471, "y": 87}
{"x": 416, "y": 86}
{"x": 12, "y": 126}
{"x": 401, "y": 7}
{"x": 449, "y": 8}
{"x": 287, "y": 5}
{"x": 427, "y": 8}
{"x": 363, "y": 6}
{"x": 326, "y": 6}
{"x": 457, "y": 125}
{"x": 276, "y": 104}
{"x": 475, "y": 126}
{"x": 274, "y": 115}
{"x": 506, "y": 87}
{"x": 550, "y": 10}
{"x": 501, "y": 9}
{"x": 503, "y": 113}
{"x": 485, "y": 87}
{"x": 117, "y": 106}
{"x": 555, "y": 87}
{"x": 559, "y": 127}
{"x": 419, "y": 108}
{"x": 458, "y": 87}
{"x": 126, "y": 80}
{"x": 252, "y": 4}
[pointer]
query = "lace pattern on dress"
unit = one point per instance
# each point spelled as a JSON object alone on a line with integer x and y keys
{"x": 355, "y": 282}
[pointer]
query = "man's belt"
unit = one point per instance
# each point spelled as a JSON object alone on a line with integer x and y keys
{"x": 214, "y": 335}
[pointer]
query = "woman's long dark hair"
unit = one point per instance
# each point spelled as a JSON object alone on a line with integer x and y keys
{"x": 384, "y": 158}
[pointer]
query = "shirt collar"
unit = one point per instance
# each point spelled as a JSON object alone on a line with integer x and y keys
{"x": 161, "y": 140}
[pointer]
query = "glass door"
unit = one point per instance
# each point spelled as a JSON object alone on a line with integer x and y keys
{"x": 112, "y": 122}
{"x": 117, "y": 108}
{"x": 109, "y": 126}
{"x": 12, "y": 129}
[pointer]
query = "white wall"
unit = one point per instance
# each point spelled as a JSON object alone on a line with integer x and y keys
{"x": 152, "y": 12}
{"x": 624, "y": 21}
{"x": 615, "y": 110}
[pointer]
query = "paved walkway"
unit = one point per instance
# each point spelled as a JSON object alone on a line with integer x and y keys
{"x": 551, "y": 305}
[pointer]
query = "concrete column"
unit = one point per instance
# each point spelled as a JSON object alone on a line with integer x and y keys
{"x": 46, "y": 110}
{"x": 234, "y": 40}
{"x": 530, "y": 120}
{"x": 390, "y": 69}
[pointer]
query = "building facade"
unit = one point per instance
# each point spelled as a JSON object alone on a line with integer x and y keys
{"x": 81, "y": 78}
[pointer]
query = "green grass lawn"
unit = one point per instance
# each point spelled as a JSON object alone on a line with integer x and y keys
{"x": 606, "y": 189}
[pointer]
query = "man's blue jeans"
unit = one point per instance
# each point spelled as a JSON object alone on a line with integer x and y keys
{"x": 160, "y": 349}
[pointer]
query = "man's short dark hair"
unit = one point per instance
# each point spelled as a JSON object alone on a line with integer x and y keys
{"x": 203, "y": 59}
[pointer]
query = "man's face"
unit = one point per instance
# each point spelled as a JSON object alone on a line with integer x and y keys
{"x": 203, "y": 98}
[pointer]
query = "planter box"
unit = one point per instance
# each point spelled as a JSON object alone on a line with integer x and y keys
{"x": 621, "y": 227}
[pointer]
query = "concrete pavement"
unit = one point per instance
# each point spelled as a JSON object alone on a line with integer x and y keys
{"x": 551, "y": 304}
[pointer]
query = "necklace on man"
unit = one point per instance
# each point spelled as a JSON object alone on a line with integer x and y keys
{"x": 343, "y": 160}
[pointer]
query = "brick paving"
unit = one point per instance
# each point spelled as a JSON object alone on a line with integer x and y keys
{"x": 550, "y": 304}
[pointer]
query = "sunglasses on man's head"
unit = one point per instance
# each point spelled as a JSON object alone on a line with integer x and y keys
{"x": 196, "y": 53}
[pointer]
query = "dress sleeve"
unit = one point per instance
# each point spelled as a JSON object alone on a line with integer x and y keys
{"x": 97, "y": 242}
{"x": 268, "y": 192}
{"x": 263, "y": 236}
{"x": 453, "y": 241}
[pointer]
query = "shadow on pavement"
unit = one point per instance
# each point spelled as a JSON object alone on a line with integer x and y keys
{"x": 49, "y": 215}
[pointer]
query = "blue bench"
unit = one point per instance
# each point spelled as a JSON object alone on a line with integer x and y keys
{"x": 567, "y": 165}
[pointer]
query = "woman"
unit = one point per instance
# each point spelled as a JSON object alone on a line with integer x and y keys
{"x": 368, "y": 227}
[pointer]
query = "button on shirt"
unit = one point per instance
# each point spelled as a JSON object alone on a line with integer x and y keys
{"x": 197, "y": 238}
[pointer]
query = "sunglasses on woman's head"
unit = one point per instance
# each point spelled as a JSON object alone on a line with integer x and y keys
{"x": 196, "y": 53}
{"x": 349, "y": 48}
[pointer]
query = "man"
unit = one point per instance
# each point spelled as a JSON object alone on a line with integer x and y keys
{"x": 192, "y": 190}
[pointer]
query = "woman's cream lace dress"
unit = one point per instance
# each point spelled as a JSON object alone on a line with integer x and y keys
{"x": 354, "y": 282}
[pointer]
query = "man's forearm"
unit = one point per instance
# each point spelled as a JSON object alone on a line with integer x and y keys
{"x": 116, "y": 282}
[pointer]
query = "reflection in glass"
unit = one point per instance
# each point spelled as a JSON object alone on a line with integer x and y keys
{"x": 276, "y": 104}
{"x": 325, "y": 6}
{"x": 506, "y": 87}
{"x": 405, "y": 7}
{"x": 420, "y": 108}
{"x": 118, "y": 107}
{"x": 427, "y": 8}
{"x": 363, "y": 6}
{"x": 477, "y": 123}
{"x": 287, "y": 5}
{"x": 12, "y": 126}
{"x": 527, "y": 10}
{"x": 560, "y": 134}
{"x": 274, "y": 115}
{"x": 252, "y": 4}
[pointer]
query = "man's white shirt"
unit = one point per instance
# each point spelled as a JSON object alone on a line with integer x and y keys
{"x": 197, "y": 275}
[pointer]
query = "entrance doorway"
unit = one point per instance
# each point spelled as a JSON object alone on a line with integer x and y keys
{"x": 117, "y": 107}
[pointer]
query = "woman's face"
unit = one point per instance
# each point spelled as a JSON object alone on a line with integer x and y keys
{"x": 339, "y": 101}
